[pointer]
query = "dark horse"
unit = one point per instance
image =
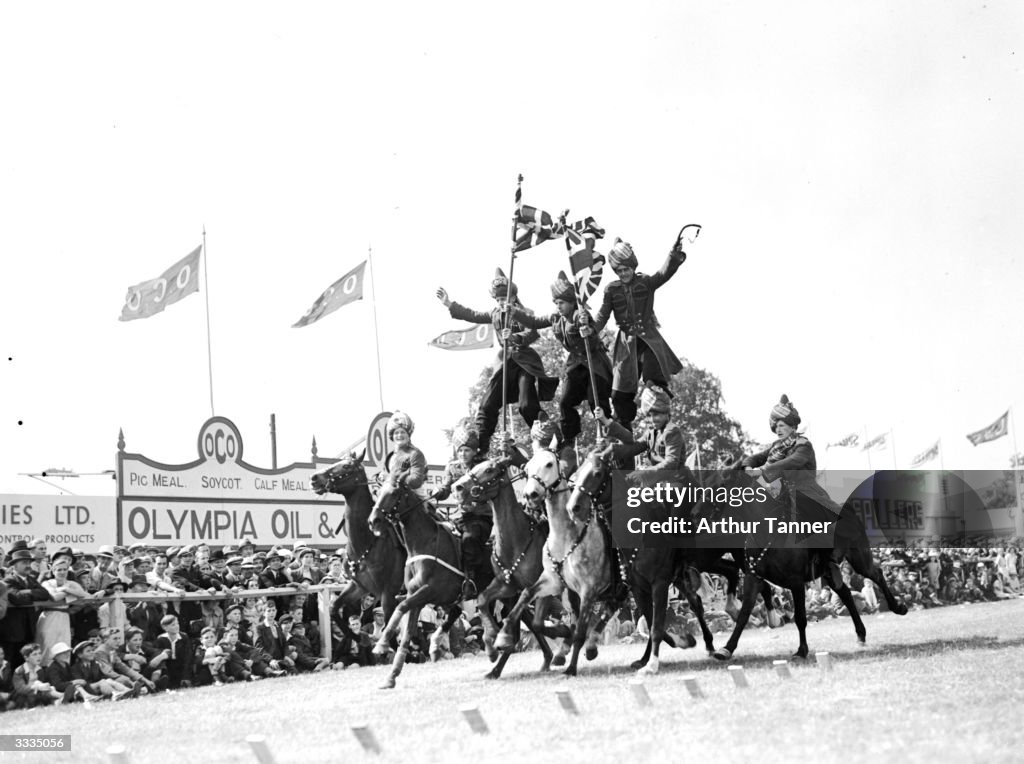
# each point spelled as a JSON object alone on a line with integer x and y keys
{"x": 792, "y": 568}
{"x": 432, "y": 572}
{"x": 517, "y": 557}
{"x": 375, "y": 565}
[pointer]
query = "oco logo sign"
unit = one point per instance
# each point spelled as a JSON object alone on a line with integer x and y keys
{"x": 219, "y": 441}
{"x": 377, "y": 440}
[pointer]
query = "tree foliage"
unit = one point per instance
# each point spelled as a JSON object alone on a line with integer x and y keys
{"x": 696, "y": 407}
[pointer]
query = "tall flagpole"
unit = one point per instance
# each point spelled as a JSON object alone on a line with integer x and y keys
{"x": 1018, "y": 515}
{"x": 505, "y": 308}
{"x": 209, "y": 351}
{"x": 376, "y": 336}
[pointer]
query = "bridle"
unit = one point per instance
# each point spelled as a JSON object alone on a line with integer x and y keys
{"x": 549, "y": 488}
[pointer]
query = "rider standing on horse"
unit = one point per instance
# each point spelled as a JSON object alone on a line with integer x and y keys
{"x": 477, "y": 517}
{"x": 571, "y": 327}
{"x": 640, "y": 353}
{"x": 525, "y": 380}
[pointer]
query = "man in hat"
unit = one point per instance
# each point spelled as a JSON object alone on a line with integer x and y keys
{"x": 641, "y": 355}
{"x": 587, "y": 356}
{"x": 17, "y": 627}
{"x": 476, "y": 518}
{"x": 524, "y": 375}
{"x": 274, "y": 577}
{"x": 662, "y": 443}
{"x": 144, "y": 616}
{"x": 40, "y": 566}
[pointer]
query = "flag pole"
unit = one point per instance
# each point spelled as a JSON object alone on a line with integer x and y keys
{"x": 1018, "y": 516}
{"x": 504, "y": 322}
{"x": 582, "y": 305}
{"x": 376, "y": 335}
{"x": 209, "y": 351}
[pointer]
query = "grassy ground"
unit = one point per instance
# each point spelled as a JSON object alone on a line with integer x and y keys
{"x": 938, "y": 685}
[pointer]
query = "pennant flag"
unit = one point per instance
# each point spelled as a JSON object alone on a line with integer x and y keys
{"x": 151, "y": 297}
{"x": 876, "y": 442}
{"x": 471, "y": 338}
{"x": 348, "y": 288}
{"x": 587, "y": 266}
{"x": 849, "y": 441}
{"x": 926, "y": 456}
{"x": 995, "y": 430}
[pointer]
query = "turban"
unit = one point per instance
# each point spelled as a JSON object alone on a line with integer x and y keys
{"x": 500, "y": 287}
{"x": 464, "y": 436}
{"x": 622, "y": 255}
{"x": 654, "y": 400}
{"x": 784, "y": 411}
{"x": 400, "y": 419}
{"x": 562, "y": 288}
{"x": 543, "y": 430}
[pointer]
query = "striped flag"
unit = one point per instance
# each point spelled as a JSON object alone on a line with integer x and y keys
{"x": 348, "y": 288}
{"x": 926, "y": 455}
{"x": 471, "y": 338}
{"x": 849, "y": 441}
{"x": 876, "y": 442}
{"x": 151, "y": 297}
{"x": 587, "y": 266}
{"x": 533, "y": 227}
{"x": 997, "y": 429}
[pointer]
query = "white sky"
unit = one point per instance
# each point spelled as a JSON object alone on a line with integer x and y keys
{"x": 856, "y": 167}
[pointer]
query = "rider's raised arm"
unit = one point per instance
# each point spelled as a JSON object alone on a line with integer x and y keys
{"x": 528, "y": 319}
{"x": 462, "y": 313}
{"x": 668, "y": 269}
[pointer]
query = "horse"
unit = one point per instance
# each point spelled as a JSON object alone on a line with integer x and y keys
{"x": 650, "y": 571}
{"x": 375, "y": 564}
{"x": 575, "y": 555}
{"x": 791, "y": 568}
{"x": 432, "y": 573}
{"x": 517, "y": 556}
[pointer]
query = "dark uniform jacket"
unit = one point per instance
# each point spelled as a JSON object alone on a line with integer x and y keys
{"x": 18, "y": 625}
{"x": 793, "y": 460}
{"x": 519, "y": 347}
{"x": 666, "y": 448}
{"x": 455, "y": 471}
{"x": 567, "y": 332}
{"x": 633, "y": 307}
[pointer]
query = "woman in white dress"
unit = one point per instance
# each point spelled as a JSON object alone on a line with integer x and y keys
{"x": 55, "y": 625}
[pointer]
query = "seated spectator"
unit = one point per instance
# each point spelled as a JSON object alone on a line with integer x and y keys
{"x": 59, "y": 675}
{"x": 138, "y": 654}
{"x": 6, "y": 674}
{"x": 210, "y": 660}
{"x": 271, "y": 638}
{"x": 108, "y": 656}
{"x": 176, "y": 654}
{"x": 354, "y": 648}
{"x": 305, "y": 657}
{"x": 88, "y": 670}
{"x": 30, "y": 690}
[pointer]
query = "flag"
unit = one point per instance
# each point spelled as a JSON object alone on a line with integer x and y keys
{"x": 348, "y": 288}
{"x": 876, "y": 442}
{"x": 151, "y": 297}
{"x": 926, "y": 456}
{"x": 471, "y": 338}
{"x": 586, "y": 265}
{"x": 995, "y": 430}
{"x": 534, "y": 227}
{"x": 849, "y": 441}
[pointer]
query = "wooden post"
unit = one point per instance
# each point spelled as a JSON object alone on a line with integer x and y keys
{"x": 258, "y": 743}
{"x": 324, "y": 611}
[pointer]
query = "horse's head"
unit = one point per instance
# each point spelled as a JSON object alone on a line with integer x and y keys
{"x": 589, "y": 482}
{"x": 340, "y": 477}
{"x": 387, "y": 508}
{"x": 543, "y": 474}
{"x": 481, "y": 481}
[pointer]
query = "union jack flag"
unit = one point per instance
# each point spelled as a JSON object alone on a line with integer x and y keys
{"x": 587, "y": 265}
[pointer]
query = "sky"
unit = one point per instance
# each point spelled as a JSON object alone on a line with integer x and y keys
{"x": 856, "y": 170}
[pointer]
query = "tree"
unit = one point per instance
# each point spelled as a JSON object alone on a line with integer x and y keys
{"x": 696, "y": 406}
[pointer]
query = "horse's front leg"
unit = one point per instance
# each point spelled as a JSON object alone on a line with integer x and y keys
{"x": 546, "y": 585}
{"x": 751, "y": 588}
{"x": 497, "y": 589}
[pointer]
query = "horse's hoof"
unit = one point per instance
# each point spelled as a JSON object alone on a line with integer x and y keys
{"x": 649, "y": 670}
{"x": 900, "y": 610}
{"x": 380, "y": 650}
{"x": 503, "y": 642}
{"x": 569, "y": 673}
{"x": 492, "y": 674}
{"x": 591, "y": 653}
{"x": 711, "y": 652}
{"x": 637, "y": 665}
{"x": 558, "y": 660}
{"x": 389, "y": 683}
{"x": 722, "y": 654}
{"x": 800, "y": 654}
{"x": 435, "y": 656}
{"x": 688, "y": 641}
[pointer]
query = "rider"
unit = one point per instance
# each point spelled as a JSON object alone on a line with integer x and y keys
{"x": 640, "y": 354}
{"x": 406, "y": 464}
{"x": 570, "y": 325}
{"x": 526, "y": 380}
{"x": 662, "y": 441}
{"x": 477, "y": 518}
{"x": 791, "y": 459}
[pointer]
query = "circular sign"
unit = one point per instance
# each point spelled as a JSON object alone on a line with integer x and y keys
{"x": 377, "y": 440}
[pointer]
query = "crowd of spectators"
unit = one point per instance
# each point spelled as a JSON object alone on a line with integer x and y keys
{"x": 65, "y": 638}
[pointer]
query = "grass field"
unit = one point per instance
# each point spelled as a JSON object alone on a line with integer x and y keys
{"x": 938, "y": 685}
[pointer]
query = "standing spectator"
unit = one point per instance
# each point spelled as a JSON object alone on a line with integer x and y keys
{"x": 17, "y": 628}
{"x": 274, "y": 577}
{"x": 114, "y": 614}
{"x": 54, "y": 625}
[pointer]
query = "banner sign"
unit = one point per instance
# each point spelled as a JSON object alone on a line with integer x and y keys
{"x": 221, "y": 499}
{"x": 80, "y": 522}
